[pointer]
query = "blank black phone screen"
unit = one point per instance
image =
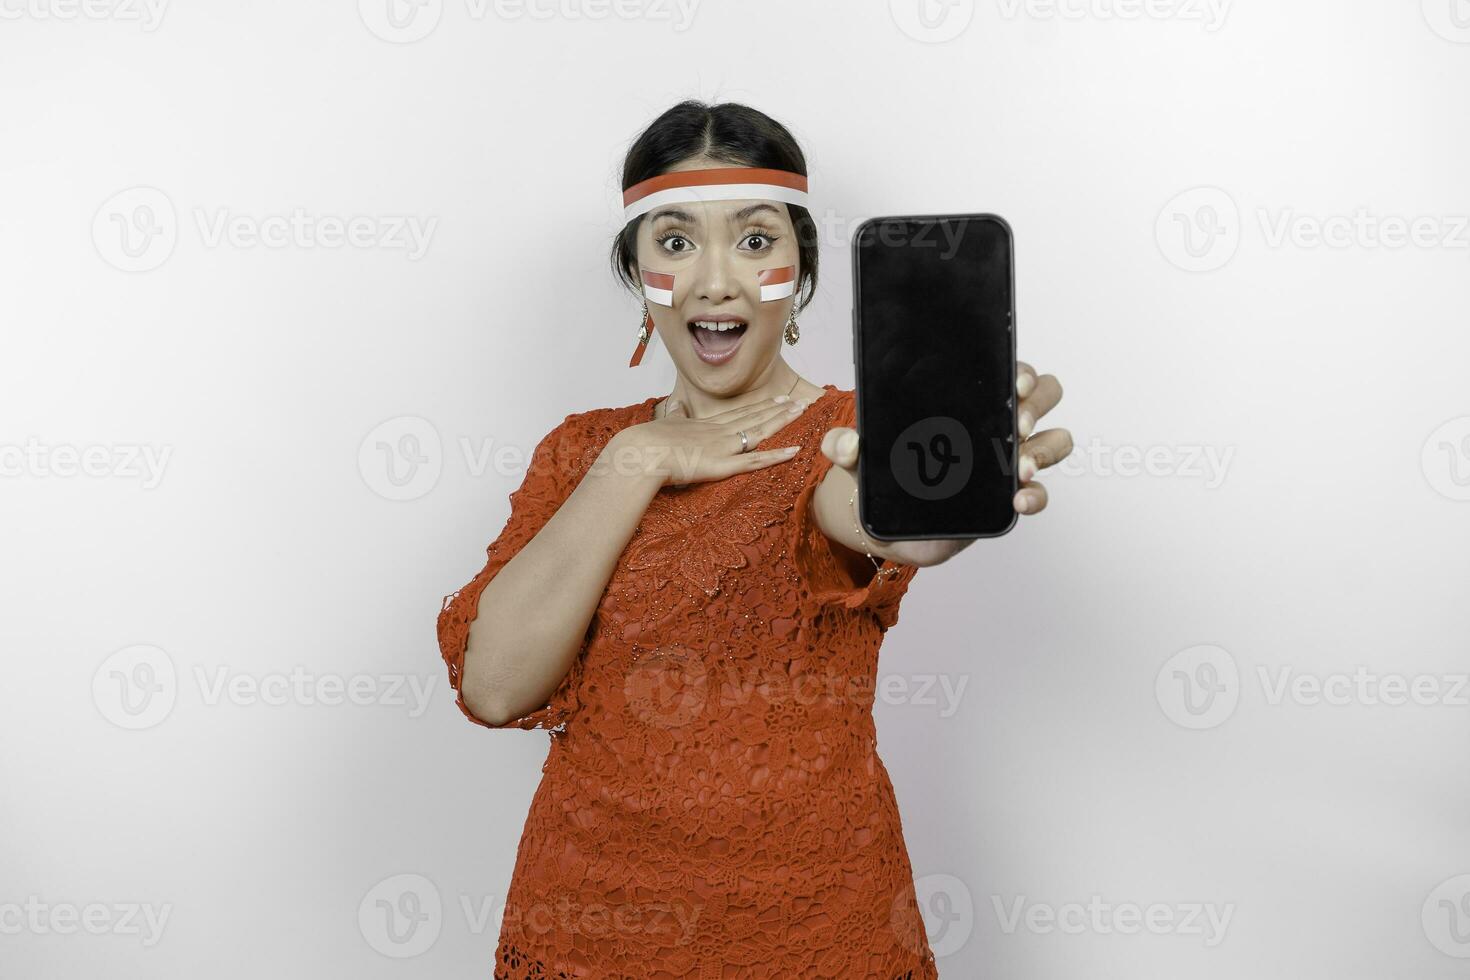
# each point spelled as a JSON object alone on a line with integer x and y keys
{"x": 934, "y": 350}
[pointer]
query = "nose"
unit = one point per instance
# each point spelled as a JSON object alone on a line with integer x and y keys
{"x": 714, "y": 279}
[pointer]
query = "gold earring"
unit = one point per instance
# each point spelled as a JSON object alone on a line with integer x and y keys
{"x": 793, "y": 332}
{"x": 645, "y": 332}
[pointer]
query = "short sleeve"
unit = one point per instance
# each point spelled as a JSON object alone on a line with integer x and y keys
{"x": 830, "y": 579}
{"x": 551, "y": 476}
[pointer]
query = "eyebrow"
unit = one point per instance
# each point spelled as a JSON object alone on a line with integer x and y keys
{"x": 737, "y": 217}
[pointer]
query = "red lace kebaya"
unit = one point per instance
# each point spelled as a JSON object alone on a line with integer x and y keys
{"x": 712, "y": 805}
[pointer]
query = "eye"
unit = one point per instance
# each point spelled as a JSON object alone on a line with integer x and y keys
{"x": 670, "y": 236}
{"x": 761, "y": 236}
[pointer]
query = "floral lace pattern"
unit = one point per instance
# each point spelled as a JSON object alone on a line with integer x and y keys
{"x": 712, "y": 804}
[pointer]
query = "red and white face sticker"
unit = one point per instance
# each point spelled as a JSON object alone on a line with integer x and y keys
{"x": 658, "y": 287}
{"x": 777, "y": 283}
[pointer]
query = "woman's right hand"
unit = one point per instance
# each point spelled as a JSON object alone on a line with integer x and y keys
{"x": 682, "y": 450}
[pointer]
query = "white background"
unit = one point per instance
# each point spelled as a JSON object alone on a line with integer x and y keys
{"x": 1082, "y": 757}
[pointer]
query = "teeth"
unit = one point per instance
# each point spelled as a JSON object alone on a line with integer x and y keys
{"x": 720, "y": 326}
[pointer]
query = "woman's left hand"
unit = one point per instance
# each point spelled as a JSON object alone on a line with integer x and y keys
{"x": 1039, "y": 395}
{"x": 1038, "y": 450}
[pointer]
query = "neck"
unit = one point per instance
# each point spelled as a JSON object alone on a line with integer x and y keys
{"x": 700, "y": 404}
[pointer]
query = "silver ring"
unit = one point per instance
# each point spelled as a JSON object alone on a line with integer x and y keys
{"x": 744, "y": 443}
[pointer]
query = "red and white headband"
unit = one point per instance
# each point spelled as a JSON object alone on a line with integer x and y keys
{"x": 714, "y": 184}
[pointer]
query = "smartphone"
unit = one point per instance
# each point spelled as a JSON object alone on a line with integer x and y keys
{"x": 934, "y": 350}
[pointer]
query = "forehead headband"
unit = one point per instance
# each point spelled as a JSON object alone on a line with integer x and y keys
{"x": 714, "y": 184}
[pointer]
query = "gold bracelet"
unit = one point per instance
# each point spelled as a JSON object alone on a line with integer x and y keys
{"x": 881, "y": 572}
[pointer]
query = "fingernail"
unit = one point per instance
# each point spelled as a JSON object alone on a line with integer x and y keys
{"x": 1028, "y": 469}
{"x": 783, "y": 398}
{"x": 1026, "y": 422}
{"x": 793, "y": 410}
{"x": 849, "y": 442}
{"x": 788, "y": 450}
{"x": 1023, "y": 504}
{"x": 803, "y": 403}
{"x": 1023, "y": 385}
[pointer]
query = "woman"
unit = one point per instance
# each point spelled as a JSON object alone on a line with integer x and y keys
{"x": 683, "y": 597}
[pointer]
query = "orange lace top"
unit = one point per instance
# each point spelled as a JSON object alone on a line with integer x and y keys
{"x": 712, "y": 804}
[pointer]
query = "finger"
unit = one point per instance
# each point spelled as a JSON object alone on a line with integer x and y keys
{"x": 762, "y": 419}
{"x": 760, "y": 459}
{"x": 840, "y": 445}
{"x": 1025, "y": 378}
{"x": 736, "y": 414}
{"x": 1042, "y": 450}
{"x": 1030, "y": 499}
{"x": 1043, "y": 399}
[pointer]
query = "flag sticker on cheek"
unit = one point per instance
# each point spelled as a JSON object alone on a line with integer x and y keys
{"x": 658, "y": 287}
{"x": 777, "y": 283}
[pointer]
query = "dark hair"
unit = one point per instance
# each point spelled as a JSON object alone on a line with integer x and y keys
{"x": 730, "y": 133}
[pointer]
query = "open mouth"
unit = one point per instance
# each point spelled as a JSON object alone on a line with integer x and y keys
{"x": 717, "y": 341}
